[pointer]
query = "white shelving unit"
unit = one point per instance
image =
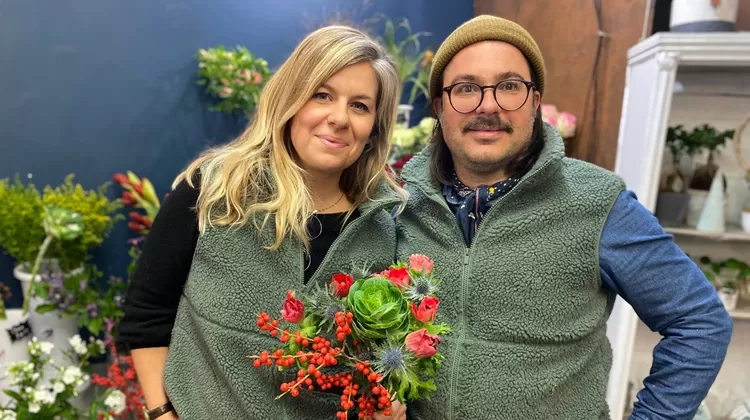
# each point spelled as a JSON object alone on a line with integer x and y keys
{"x": 653, "y": 66}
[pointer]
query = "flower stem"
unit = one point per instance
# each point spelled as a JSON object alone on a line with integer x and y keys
{"x": 37, "y": 262}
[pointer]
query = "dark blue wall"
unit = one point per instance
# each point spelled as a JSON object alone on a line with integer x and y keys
{"x": 94, "y": 87}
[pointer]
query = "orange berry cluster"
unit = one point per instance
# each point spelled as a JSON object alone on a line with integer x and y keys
{"x": 324, "y": 355}
{"x": 377, "y": 398}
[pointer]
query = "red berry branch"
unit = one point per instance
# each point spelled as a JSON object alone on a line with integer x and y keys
{"x": 319, "y": 353}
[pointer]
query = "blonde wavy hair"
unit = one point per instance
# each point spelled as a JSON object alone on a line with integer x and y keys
{"x": 256, "y": 174}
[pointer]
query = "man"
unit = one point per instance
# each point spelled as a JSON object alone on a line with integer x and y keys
{"x": 532, "y": 249}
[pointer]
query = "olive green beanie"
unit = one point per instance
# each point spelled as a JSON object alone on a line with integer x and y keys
{"x": 486, "y": 28}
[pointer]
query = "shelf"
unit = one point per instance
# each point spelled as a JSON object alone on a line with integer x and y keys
{"x": 741, "y": 313}
{"x": 733, "y": 234}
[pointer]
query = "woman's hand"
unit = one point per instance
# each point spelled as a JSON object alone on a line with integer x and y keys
{"x": 398, "y": 412}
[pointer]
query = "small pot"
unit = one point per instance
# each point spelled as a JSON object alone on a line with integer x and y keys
{"x": 703, "y": 16}
{"x": 729, "y": 298}
{"x": 746, "y": 221}
{"x": 15, "y": 334}
{"x": 672, "y": 208}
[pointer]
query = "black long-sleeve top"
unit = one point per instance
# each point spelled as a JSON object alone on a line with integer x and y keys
{"x": 162, "y": 269}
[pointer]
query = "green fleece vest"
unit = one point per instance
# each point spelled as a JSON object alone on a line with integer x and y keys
{"x": 232, "y": 279}
{"x": 525, "y": 299}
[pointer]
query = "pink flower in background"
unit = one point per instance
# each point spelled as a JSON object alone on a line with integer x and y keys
{"x": 564, "y": 122}
{"x": 550, "y": 114}
{"x": 566, "y": 125}
{"x": 257, "y": 77}
{"x": 225, "y": 92}
{"x": 245, "y": 73}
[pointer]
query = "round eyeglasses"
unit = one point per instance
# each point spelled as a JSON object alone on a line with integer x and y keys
{"x": 510, "y": 95}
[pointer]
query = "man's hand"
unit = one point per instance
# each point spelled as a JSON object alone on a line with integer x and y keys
{"x": 398, "y": 412}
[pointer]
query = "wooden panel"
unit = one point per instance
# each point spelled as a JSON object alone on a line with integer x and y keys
{"x": 743, "y": 16}
{"x": 567, "y": 34}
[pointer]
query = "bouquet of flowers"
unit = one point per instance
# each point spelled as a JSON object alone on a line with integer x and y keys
{"x": 374, "y": 338}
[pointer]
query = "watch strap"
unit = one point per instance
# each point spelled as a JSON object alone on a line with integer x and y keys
{"x": 159, "y": 411}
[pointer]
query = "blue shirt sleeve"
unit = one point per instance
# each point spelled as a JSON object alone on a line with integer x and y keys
{"x": 640, "y": 262}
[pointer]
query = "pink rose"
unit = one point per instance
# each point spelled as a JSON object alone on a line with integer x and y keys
{"x": 566, "y": 125}
{"x": 418, "y": 262}
{"x": 293, "y": 310}
{"x": 422, "y": 344}
{"x": 257, "y": 78}
{"x": 426, "y": 310}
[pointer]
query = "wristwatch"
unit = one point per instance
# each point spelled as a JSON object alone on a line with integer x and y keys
{"x": 157, "y": 412}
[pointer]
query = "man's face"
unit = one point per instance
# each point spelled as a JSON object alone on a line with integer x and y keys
{"x": 483, "y": 141}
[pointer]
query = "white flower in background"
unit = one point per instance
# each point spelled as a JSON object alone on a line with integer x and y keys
{"x": 100, "y": 345}
{"x": 78, "y": 345}
{"x": 115, "y": 401}
{"x": 34, "y": 408}
{"x": 427, "y": 125}
{"x": 71, "y": 375}
{"x": 46, "y": 347}
{"x": 43, "y": 396}
{"x": 403, "y": 137}
{"x": 19, "y": 371}
{"x": 58, "y": 387}
{"x": 35, "y": 376}
{"x": 7, "y": 415}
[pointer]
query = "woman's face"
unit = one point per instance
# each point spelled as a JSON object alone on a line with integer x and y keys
{"x": 332, "y": 129}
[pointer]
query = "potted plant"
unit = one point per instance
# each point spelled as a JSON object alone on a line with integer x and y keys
{"x": 234, "y": 77}
{"x": 97, "y": 212}
{"x": 673, "y": 199}
{"x": 21, "y": 230}
{"x": 413, "y": 64}
{"x": 704, "y": 138}
{"x": 727, "y": 277}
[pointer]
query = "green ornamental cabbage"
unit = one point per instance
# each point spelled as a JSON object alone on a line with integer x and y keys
{"x": 380, "y": 310}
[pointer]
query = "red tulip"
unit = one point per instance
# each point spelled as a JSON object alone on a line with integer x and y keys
{"x": 121, "y": 179}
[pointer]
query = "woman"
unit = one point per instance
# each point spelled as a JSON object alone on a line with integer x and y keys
{"x": 300, "y": 195}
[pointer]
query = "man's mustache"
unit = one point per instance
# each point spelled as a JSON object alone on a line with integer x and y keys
{"x": 488, "y": 123}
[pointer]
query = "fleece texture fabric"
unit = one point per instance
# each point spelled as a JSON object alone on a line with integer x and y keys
{"x": 524, "y": 299}
{"x": 231, "y": 281}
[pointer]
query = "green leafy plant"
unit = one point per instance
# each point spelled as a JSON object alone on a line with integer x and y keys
{"x": 714, "y": 268}
{"x": 413, "y": 64}
{"x": 235, "y": 77}
{"x": 5, "y": 295}
{"x": 61, "y": 224}
{"x": 80, "y": 295}
{"x": 21, "y": 212}
{"x": 705, "y": 138}
{"x": 98, "y": 215}
{"x": 673, "y": 180}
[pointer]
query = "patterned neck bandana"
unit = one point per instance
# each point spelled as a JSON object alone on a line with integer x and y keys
{"x": 471, "y": 204}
